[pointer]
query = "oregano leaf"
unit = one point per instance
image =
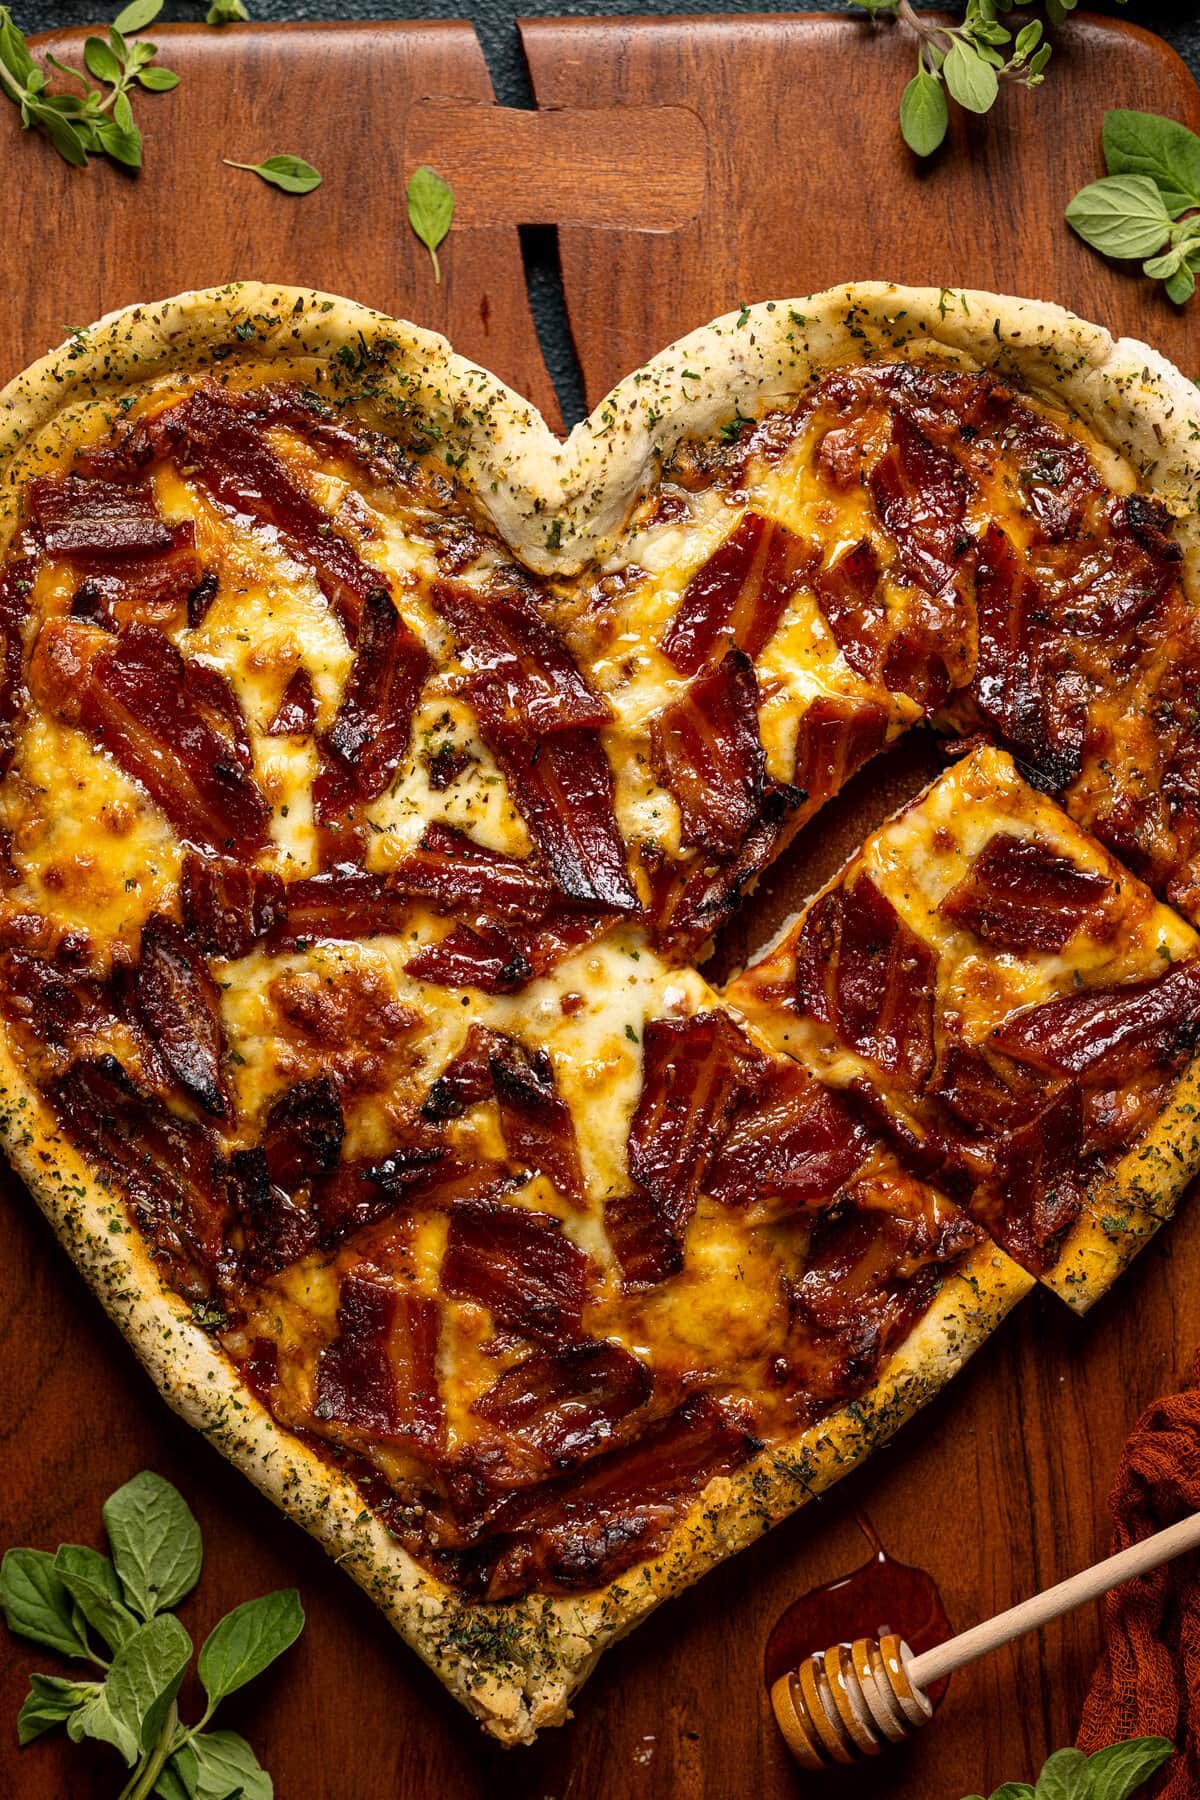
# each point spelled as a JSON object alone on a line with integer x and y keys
{"x": 291, "y": 173}
{"x": 1137, "y": 143}
{"x": 155, "y": 1543}
{"x": 924, "y": 114}
{"x": 247, "y": 1640}
{"x": 50, "y": 1702}
{"x": 100, "y": 60}
{"x": 971, "y": 81}
{"x": 136, "y": 16}
{"x": 1120, "y": 215}
{"x": 430, "y": 210}
{"x": 1118, "y": 1772}
{"x": 36, "y": 1605}
{"x": 1064, "y": 1776}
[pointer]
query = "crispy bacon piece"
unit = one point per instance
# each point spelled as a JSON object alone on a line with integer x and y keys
{"x": 567, "y": 1403}
{"x": 520, "y": 1266}
{"x": 200, "y": 599}
{"x": 1110, "y": 1033}
{"x": 740, "y": 594}
{"x": 164, "y": 1164}
{"x": 920, "y": 495}
{"x": 133, "y": 564}
{"x": 646, "y": 1249}
{"x": 78, "y": 517}
{"x": 864, "y": 973}
{"x": 296, "y": 713}
{"x": 1020, "y": 895}
{"x": 793, "y": 1142}
{"x": 228, "y": 907}
{"x": 456, "y": 874}
{"x": 694, "y": 1073}
{"x": 177, "y": 1003}
{"x": 563, "y": 787}
{"x": 705, "y": 747}
{"x": 874, "y": 1265}
{"x": 519, "y": 670}
{"x": 914, "y": 648}
{"x": 270, "y": 1185}
{"x": 133, "y": 694}
{"x": 16, "y": 585}
{"x": 487, "y": 960}
{"x": 437, "y": 1176}
{"x": 379, "y": 1376}
{"x": 55, "y": 1003}
{"x": 370, "y": 734}
{"x": 836, "y": 737}
{"x": 589, "y": 1527}
{"x": 1036, "y": 1192}
{"x": 1011, "y": 686}
{"x": 213, "y": 438}
{"x": 465, "y": 1081}
{"x": 536, "y": 1121}
{"x": 710, "y": 892}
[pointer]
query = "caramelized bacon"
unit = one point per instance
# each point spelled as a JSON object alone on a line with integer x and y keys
{"x": 466, "y": 1080}
{"x": 16, "y": 585}
{"x": 562, "y": 785}
{"x": 83, "y": 519}
{"x": 710, "y": 892}
{"x": 227, "y": 907}
{"x": 302, "y": 1137}
{"x": 740, "y": 594}
{"x": 296, "y": 713}
{"x": 133, "y": 695}
{"x": 646, "y": 1249}
{"x": 567, "y": 1403}
{"x": 913, "y": 647}
{"x": 1036, "y": 1192}
{"x": 270, "y": 1185}
{"x": 56, "y": 1004}
{"x": 454, "y": 872}
{"x": 178, "y": 1005}
{"x": 370, "y": 734}
{"x": 864, "y": 973}
{"x": 1011, "y": 687}
{"x": 379, "y": 1376}
{"x": 588, "y": 1528}
{"x": 705, "y": 747}
{"x": 1110, "y": 1033}
{"x": 793, "y": 1142}
{"x": 920, "y": 495}
{"x": 694, "y": 1073}
{"x": 429, "y": 1176}
{"x": 520, "y": 1266}
{"x": 163, "y": 1164}
{"x": 536, "y": 1121}
{"x": 344, "y": 902}
{"x": 520, "y": 672}
{"x": 1020, "y": 895}
{"x": 836, "y": 737}
{"x": 487, "y": 960}
{"x": 211, "y": 436}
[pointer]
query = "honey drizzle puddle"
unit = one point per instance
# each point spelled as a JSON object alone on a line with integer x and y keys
{"x": 880, "y": 1596}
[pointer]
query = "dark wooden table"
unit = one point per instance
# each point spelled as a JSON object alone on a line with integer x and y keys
{"x": 774, "y": 169}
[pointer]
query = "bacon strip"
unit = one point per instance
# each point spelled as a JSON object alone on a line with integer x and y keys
{"x": 1036, "y": 1192}
{"x": 705, "y": 747}
{"x": 520, "y": 1266}
{"x": 1020, "y": 895}
{"x": 520, "y": 672}
{"x": 563, "y": 786}
{"x": 694, "y": 1073}
{"x": 487, "y": 960}
{"x": 536, "y": 1121}
{"x": 82, "y": 518}
{"x": 835, "y": 738}
{"x": 920, "y": 495}
{"x": 567, "y": 1403}
{"x": 134, "y": 695}
{"x": 227, "y": 907}
{"x": 270, "y": 1185}
{"x": 370, "y": 734}
{"x": 587, "y": 1529}
{"x": 1110, "y": 1033}
{"x": 454, "y": 872}
{"x": 740, "y": 594}
{"x": 178, "y": 1005}
{"x": 211, "y": 436}
{"x": 864, "y": 973}
{"x": 646, "y": 1249}
{"x": 379, "y": 1376}
{"x": 711, "y": 891}
{"x": 164, "y": 1165}
{"x": 793, "y": 1142}
{"x": 1011, "y": 688}
{"x": 296, "y": 713}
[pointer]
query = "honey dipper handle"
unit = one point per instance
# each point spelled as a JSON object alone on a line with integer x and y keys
{"x": 943, "y": 1659}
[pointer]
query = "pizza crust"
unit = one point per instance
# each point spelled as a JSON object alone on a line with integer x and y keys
{"x": 516, "y": 1666}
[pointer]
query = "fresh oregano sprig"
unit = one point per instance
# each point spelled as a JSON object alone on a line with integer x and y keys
{"x": 966, "y": 62}
{"x": 115, "y": 1612}
{"x": 1112, "y": 1774}
{"x": 94, "y": 123}
{"x": 1147, "y": 208}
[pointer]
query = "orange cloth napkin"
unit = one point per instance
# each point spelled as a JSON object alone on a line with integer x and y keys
{"x": 1147, "y": 1683}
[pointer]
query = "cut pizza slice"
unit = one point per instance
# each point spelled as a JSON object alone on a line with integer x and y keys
{"x": 1019, "y": 1010}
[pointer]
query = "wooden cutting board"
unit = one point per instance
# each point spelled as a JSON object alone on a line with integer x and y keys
{"x": 689, "y": 164}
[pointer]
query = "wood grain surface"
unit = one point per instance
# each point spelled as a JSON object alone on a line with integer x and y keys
{"x": 1000, "y": 1487}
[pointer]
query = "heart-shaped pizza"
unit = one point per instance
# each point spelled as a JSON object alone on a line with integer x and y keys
{"x": 377, "y": 772}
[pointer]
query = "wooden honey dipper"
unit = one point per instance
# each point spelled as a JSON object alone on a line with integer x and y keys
{"x": 853, "y": 1700}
